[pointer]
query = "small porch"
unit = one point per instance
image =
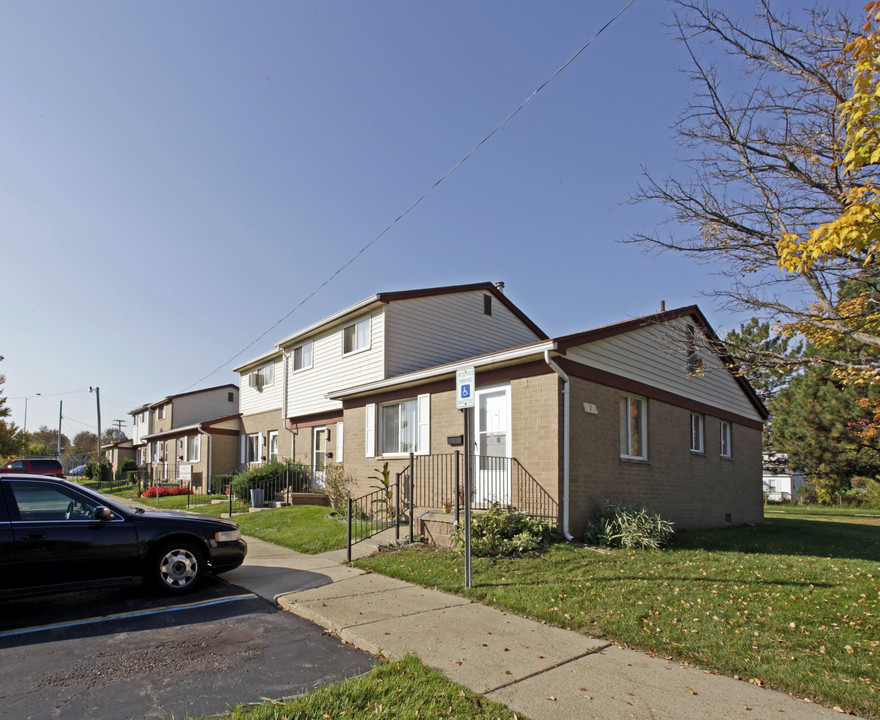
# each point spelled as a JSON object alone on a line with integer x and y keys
{"x": 427, "y": 496}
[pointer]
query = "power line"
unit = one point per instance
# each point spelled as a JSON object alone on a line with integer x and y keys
{"x": 418, "y": 201}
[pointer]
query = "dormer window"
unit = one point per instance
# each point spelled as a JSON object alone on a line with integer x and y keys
{"x": 356, "y": 337}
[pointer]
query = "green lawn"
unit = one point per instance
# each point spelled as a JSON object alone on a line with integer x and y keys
{"x": 398, "y": 690}
{"x": 793, "y": 604}
{"x": 304, "y": 528}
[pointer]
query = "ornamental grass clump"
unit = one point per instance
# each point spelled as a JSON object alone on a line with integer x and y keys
{"x": 503, "y": 532}
{"x": 620, "y": 525}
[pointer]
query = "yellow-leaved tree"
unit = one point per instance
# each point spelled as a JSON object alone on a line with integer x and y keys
{"x": 851, "y": 240}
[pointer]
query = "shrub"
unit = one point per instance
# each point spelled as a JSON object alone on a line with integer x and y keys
{"x": 336, "y": 485}
{"x": 99, "y": 472}
{"x": 872, "y": 494}
{"x": 125, "y": 471}
{"x": 503, "y": 532}
{"x": 264, "y": 476}
{"x": 165, "y": 491}
{"x": 620, "y": 525}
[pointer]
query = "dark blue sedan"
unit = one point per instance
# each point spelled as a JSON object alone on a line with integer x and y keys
{"x": 56, "y": 535}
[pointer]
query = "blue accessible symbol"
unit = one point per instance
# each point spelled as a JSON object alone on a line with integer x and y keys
{"x": 465, "y": 391}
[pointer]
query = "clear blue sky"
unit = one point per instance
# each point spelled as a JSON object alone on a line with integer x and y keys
{"x": 177, "y": 176}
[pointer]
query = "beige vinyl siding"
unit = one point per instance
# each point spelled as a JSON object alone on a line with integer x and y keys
{"x": 656, "y": 356}
{"x": 253, "y": 401}
{"x": 332, "y": 371}
{"x": 421, "y": 332}
{"x": 200, "y": 406}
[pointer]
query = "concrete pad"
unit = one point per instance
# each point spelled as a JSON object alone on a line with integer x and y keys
{"x": 619, "y": 683}
{"x": 477, "y": 646}
{"x": 362, "y": 583}
{"x": 271, "y": 571}
{"x": 364, "y": 600}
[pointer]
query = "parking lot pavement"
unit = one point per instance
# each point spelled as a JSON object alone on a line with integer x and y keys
{"x": 125, "y": 654}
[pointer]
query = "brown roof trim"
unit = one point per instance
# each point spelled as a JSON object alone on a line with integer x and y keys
{"x": 314, "y": 420}
{"x": 226, "y": 418}
{"x": 434, "y": 386}
{"x": 566, "y": 341}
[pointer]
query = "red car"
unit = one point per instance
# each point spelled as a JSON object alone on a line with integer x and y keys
{"x": 34, "y": 466}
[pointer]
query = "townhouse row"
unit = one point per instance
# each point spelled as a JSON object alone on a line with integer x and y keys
{"x": 649, "y": 410}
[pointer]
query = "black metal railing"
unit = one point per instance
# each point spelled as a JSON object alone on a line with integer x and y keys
{"x": 438, "y": 482}
{"x": 374, "y": 513}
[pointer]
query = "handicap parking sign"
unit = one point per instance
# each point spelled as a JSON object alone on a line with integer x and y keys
{"x": 464, "y": 381}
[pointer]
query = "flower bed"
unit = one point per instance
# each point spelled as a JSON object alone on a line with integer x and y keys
{"x": 165, "y": 491}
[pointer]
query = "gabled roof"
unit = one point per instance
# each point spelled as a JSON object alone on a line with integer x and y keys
{"x": 558, "y": 346}
{"x": 385, "y": 298}
{"x": 607, "y": 331}
{"x": 170, "y": 398}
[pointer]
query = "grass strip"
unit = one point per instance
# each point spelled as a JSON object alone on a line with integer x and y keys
{"x": 400, "y": 690}
{"x": 793, "y": 604}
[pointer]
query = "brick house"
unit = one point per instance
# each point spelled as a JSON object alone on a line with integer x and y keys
{"x": 189, "y": 436}
{"x": 651, "y": 411}
{"x": 286, "y": 410}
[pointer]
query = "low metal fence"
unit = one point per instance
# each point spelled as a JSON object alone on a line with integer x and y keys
{"x": 374, "y": 513}
{"x": 238, "y": 492}
{"x": 438, "y": 482}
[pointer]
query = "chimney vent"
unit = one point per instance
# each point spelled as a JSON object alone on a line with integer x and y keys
{"x": 662, "y": 306}
{"x": 500, "y": 286}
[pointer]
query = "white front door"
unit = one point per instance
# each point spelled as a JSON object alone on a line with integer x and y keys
{"x": 492, "y": 445}
{"x": 319, "y": 455}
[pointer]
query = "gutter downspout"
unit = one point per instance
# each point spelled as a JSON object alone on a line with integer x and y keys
{"x": 285, "y": 356}
{"x": 210, "y": 453}
{"x": 566, "y": 431}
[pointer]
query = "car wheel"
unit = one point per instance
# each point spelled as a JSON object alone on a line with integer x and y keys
{"x": 178, "y": 567}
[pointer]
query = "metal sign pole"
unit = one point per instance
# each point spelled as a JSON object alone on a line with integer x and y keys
{"x": 467, "y": 497}
{"x": 465, "y": 387}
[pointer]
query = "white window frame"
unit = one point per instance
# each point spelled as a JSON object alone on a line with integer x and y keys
{"x": 422, "y": 429}
{"x": 267, "y": 375}
{"x": 339, "y": 443}
{"x": 194, "y": 448}
{"x": 626, "y": 441}
{"x": 305, "y": 357}
{"x": 160, "y": 412}
{"x": 726, "y": 439}
{"x": 273, "y": 446}
{"x": 698, "y": 433}
{"x": 399, "y": 404}
{"x": 253, "y": 442}
{"x": 362, "y": 336}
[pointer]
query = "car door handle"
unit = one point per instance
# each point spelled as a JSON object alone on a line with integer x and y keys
{"x": 36, "y": 536}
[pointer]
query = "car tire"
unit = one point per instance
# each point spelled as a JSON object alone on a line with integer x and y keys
{"x": 177, "y": 567}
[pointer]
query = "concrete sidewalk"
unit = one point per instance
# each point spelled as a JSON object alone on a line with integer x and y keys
{"x": 541, "y": 671}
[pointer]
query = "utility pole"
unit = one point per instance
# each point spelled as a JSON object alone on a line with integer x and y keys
{"x": 119, "y": 424}
{"x": 58, "y": 452}
{"x": 97, "y": 392}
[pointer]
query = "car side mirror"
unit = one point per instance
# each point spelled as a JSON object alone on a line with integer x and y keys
{"x": 103, "y": 513}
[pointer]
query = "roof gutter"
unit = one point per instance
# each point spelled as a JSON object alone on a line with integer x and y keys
{"x": 566, "y": 432}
